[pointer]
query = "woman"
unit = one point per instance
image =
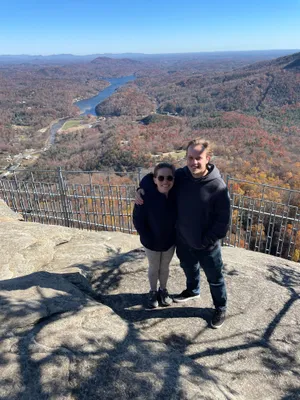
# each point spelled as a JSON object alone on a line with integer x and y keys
{"x": 155, "y": 223}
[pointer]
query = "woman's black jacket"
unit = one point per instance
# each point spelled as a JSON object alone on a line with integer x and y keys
{"x": 155, "y": 219}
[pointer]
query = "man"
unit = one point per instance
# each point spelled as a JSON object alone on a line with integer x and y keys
{"x": 203, "y": 207}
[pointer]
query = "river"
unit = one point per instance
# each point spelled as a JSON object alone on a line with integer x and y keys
{"x": 87, "y": 106}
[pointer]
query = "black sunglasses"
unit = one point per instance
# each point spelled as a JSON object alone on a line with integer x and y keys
{"x": 169, "y": 178}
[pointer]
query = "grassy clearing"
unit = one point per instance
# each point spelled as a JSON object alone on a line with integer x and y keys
{"x": 20, "y": 127}
{"x": 71, "y": 124}
{"x": 172, "y": 156}
{"x": 176, "y": 155}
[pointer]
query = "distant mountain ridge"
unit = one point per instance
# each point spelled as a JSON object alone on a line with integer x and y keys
{"x": 252, "y": 88}
{"x": 59, "y": 58}
{"x": 107, "y": 61}
{"x": 285, "y": 61}
{"x": 71, "y": 58}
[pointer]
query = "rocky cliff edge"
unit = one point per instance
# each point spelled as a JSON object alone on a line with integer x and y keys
{"x": 73, "y": 326}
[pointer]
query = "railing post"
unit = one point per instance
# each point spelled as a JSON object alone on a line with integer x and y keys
{"x": 227, "y": 179}
{"x": 63, "y": 197}
{"x": 227, "y": 238}
{"x": 139, "y": 175}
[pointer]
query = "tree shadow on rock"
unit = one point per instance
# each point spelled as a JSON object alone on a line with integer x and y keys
{"x": 28, "y": 304}
{"x": 293, "y": 394}
{"x": 59, "y": 343}
{"x": 286, "y": 277}
{"x": 107, "y": 275}
{"x": 276, "y": 344}
{"x": 144, "y": 368}
{"x": 132, "y": 308}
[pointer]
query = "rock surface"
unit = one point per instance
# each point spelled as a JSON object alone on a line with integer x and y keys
{"x": 73, "y": 325}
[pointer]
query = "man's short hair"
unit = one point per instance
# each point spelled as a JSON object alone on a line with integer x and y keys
{"x": 206, "y": 144}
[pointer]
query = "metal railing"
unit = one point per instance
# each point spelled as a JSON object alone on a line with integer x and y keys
{"x": 58, "y": 201}
{"x": 263, "y": 218}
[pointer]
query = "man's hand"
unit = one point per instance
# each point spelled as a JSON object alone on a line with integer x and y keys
{"x": 138, "y": 197}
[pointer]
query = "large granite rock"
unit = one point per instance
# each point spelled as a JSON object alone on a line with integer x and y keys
{"x": 73, "y": 326}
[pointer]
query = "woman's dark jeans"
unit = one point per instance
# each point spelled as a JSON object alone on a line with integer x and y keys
{"x": 211, "y": 262}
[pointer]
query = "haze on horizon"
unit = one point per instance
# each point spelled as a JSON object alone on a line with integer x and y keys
{"x": 93, "y": 27}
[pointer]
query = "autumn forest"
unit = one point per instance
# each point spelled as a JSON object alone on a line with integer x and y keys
{"x": 248, "y": 106}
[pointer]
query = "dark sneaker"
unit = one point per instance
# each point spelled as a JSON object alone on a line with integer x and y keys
{"x": 165, "y": 299}
{"x": 218, "y": 319}
{"x": 186, "y": 295}
{"x": 152, "y": 299}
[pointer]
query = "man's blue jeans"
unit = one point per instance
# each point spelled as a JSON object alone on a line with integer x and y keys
{"x": 211, "y": 262}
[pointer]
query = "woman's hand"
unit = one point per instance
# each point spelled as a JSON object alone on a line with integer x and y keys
{"x": 138, "y": 197}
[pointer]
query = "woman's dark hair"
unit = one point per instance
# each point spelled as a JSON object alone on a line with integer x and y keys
{"x": 164, "y": 165}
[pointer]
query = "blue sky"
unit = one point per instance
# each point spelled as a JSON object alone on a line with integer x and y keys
{"x": 153, "y": 26}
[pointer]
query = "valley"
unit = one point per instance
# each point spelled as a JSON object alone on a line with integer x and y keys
{"x": 250, "y": 110}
